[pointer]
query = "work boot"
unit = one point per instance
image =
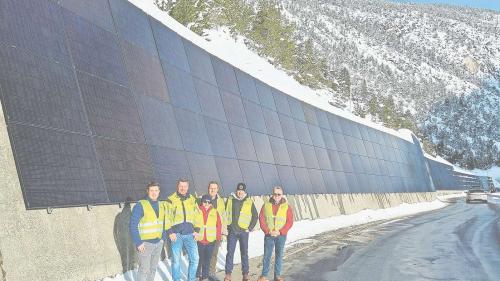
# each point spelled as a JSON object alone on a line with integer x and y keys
{"x": 228, "y": 277}
{"x": 279, "y": 279}
{"x": 262, "y": 278}
{"x": 246, "y": 277}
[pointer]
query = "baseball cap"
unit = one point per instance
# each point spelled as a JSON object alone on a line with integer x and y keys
{"x": 206, "y": 198}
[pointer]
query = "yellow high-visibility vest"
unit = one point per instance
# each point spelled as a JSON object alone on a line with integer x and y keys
{"x": 275, "y": 222}
{"x": 150, "y": 226}
{"x": 245, "y": 213}
{"x": 178, "y": 209}
{"x": 221, "y": 208}
{"x": 210, "y": 227}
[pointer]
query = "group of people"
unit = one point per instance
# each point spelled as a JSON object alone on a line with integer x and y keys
{"x": 199, "y": 225}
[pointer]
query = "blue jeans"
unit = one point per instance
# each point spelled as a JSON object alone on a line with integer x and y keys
{"x": 278, "y": 243}
{"x": 232, "y": 238}
{"x": 205, "y": 253}
{"x": 187, "y": 241}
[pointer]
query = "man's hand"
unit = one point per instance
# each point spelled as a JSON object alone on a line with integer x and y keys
{"x": 141, "y": 248}
{"x": 196, "y": 236}
{"x": 172, "y": 237}
{"x": 275, "y": 233}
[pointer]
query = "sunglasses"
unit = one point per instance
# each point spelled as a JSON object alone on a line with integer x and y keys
{"x": 277, "y": 194}
{"x": 207, "y": 202}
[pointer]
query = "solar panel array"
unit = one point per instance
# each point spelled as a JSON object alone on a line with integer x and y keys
{"x": 100, "y": 98}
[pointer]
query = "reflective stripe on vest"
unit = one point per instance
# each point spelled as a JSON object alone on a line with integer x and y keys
{"x": 150, "y": 226}
{"x": 210, "y": 226}
{"x": 245, "y": 213}
{"x": 275, "y": 222}
{"x": 179, "y": 209}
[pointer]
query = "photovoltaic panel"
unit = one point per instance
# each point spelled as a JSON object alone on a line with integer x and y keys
{"x": 254, "y": 116}
{"x": 341, "y": 180}
{"x": 335, "y": 160}
{"x": 243, "y": 143}
{"x": 97, "y": 12}
{"x": 56, "y": 168}
{"x": 309, "y": 113}
{"x": 126, "y": 168}
{"x": 265, "y": 95}
{"x": 316, "y": 136}
{"x": 365, "y": 162}
{"x": 181, "y": 88}
{"x": 310, "y": 156}
{"x": 169, "y": 166}
{"x": 295, "y": 153}
{"x": 199, "y": 62}
{"x": 169, "y": 46}
{"x": 355, "y": 129}
{"x": 303, "y": 181}
{"x": 351, "y": 145}
{"x": 252, "y": 177}
{"x": 281, "y": 102}
{"x": 159, "y": 123}
{"x": 220, "y": 138}
{"x": 224, "y": 74}
{"x": 210, "y": 100}
{"x": 35, "y": 26}
{"x": 346, "y": 128}
{"x": 288, "y": 181}
{"x": 279, "y": 151}
{"x": 334, "y": 123}
{"x": 370, "y": 152}
{"x": 318, "y": 184}
{"x": 288, "y": 128}
{"x": 270, "y": 177}
{"x": 247, "y": 86}
{"x": 272, "y": 123}
{"x": 41, "y": 92}
{"x": 132, "y": 25}
{"x": 356, "y": 163}
{"x": 111, "y": 109}
{"x": 193, "y": 132}
{"x": 340, "y": 142}
{"x": 345, "y": 159}
{"x": 331, "y": 184}
{"x": 233, "y": 106}
{"x": 303, "y": 132}
{"x": 262, "y": 147}
{"x": 354, "y": 187}
{"x": 364, "y": 132}
{"x": 94, "y": 50}
{"x": 203, "y": 170}
{"x": 323, "y": 159}
{"x": 328, "y": 138}
{"x": 229, "y": 173}
{"x": 296, "y": 109}
{"x": 322, "y": 119}
{"x": 145, "y": 72}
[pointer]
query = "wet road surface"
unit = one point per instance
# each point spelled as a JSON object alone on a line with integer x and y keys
{"x": 459, "y": 242}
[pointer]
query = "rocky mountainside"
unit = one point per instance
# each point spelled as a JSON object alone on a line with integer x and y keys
{"x": 431, "y": 68}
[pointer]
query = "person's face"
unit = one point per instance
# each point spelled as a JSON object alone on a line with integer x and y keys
{"x": 213, "y": 189}
{"x": 153, "y": 192}
{"x": 206, "y": 205}
{"x": 183, "y": 187}
{"x": 240, "y": 193}
{"x": 277, "y": 195}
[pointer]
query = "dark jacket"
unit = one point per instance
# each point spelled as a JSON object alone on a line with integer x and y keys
{"x": 234, "y": 228}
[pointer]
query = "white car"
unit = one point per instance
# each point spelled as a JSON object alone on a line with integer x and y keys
{"x": 476, "y": 195}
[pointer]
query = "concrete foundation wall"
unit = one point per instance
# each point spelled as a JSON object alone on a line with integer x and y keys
{"x": 78, "y": 244}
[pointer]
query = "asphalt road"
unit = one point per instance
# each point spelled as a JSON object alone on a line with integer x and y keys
{"x": 459, "y": 242}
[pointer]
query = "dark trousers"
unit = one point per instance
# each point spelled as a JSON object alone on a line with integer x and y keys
{"x": 232, "y": 238}
{"x": 205, "y": 253}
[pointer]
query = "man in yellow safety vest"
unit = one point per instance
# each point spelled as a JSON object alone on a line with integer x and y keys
{"x": 182, "y": 231}
{"x": 276, "y": 218}
{"x": 148, "y": 231}
{"x": 241, "y": 217}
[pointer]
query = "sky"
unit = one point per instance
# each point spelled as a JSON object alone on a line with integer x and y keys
{"x": 485, "y": 4}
